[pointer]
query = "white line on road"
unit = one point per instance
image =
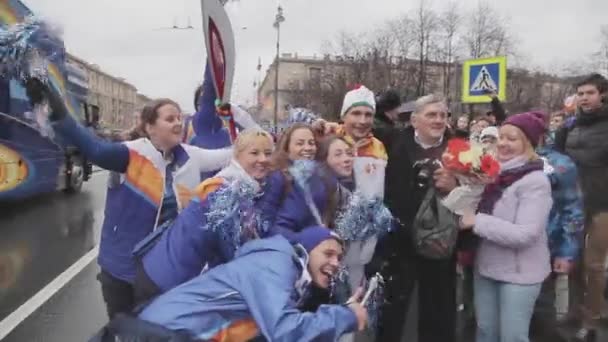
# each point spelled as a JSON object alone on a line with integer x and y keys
{"x": 26, "y": 309}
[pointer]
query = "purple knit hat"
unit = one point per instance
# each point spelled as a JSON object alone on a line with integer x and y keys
{"x": 533, "y": 124}
{"x": 311, "y": 237}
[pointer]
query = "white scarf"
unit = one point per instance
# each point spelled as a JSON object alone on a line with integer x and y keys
{"x": 235, "y": 172}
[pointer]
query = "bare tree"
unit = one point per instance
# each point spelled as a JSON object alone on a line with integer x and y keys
{"x": 425, "y": 28}
{"x": 602, "y": 54}
{"x": 487, "y": 33}
{"x": 402, "y": 29}
{"x": 449, "y": 23}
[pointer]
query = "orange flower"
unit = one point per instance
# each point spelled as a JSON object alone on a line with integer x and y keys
{"x": 457, "y": 145}
{"x": 489, "y": 166}
{"x": 451, "y": 157}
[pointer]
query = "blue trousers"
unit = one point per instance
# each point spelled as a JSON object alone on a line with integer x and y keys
{"x": 503, "y": 310}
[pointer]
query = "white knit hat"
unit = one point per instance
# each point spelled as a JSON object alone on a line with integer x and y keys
{"x": 358, "y": 97}
{"x": 489, "y": 132}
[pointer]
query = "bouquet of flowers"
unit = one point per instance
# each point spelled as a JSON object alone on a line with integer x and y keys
{"x": 474, "y": 168}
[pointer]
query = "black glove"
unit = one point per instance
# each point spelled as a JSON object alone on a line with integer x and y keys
{"x": 37, "y": 91}
{"x": 225, "y": 106}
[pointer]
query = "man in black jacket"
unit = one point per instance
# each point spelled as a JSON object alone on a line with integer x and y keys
{"x": 387, "y": 114}
{"x": 585, "y": 142}
{"x": 427, "y": 139}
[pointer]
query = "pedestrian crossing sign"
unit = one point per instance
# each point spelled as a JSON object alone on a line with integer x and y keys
{"x": 482, "y": 75}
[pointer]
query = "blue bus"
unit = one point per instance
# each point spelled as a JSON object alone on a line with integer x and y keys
{"x": 33, "y": 161}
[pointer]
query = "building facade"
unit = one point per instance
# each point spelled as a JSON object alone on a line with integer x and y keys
{"x": 112, "y": 99}
{"x": 320, "y": 82}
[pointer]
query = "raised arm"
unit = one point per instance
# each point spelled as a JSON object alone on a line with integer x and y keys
{"x": 498, "y": 110}
{"x": 206, "y": 120}
{"x": 243, "y": 118}
{"x": 110, "y": 156}
{"x": 210, "y": 160}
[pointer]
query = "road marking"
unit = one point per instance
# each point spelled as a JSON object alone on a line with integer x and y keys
{"x": 26, "y": 309}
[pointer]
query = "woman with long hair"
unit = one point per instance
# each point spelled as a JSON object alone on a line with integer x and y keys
{"x": 158, "y": 174}
{"x": 297, "y": 144}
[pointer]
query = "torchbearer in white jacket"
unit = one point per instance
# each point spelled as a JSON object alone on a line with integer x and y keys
{"x": 370, "y": 162}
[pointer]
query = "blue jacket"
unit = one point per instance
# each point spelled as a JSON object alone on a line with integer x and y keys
{"x": 250, "y": 296}
{"x": 294, "y": 214}
{"x": 208, "y": 127}
{"x": 185, "y": 248}
{"x": 134, "y": 205}
{"x": 566, "y": 220}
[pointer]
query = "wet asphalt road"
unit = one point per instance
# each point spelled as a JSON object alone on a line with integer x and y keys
{"x": 43, "y": 237}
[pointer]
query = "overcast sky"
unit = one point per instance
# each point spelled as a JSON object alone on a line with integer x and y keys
{"x": 125, "y": 37}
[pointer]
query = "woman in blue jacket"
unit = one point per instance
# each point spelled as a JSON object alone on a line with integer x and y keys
{"x": 158, "y": 174}
{"x": 257, "y": 294}
{"x": 224, "y": 214}
{"x": 298, "y": 143}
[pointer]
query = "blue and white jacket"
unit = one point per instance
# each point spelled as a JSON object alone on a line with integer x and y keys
{"x": 134, "y": 205}
{"x": 254, "y": 295}
{"x": 566, "y": 220}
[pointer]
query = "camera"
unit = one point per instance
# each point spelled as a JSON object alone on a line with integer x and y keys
{"x": 423, "y": 172}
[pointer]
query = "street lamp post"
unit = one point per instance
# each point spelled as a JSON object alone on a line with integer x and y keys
{"x": 279, "y": 18}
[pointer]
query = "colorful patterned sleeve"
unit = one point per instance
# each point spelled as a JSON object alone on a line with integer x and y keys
{"x": 570, "y": 205}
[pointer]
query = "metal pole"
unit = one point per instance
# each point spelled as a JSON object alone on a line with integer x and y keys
{"x": 279, "y": 18}
{"x": 276, "y": 82}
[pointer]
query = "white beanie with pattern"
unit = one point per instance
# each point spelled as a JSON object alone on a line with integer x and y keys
{"x": 358, "y": 97}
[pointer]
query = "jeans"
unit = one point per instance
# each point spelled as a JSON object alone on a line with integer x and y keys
{"x": 504, "y": 310}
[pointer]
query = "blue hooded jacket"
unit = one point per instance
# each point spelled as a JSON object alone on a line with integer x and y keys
{"x": 566, "y": 220}
{"x": 250, "y": 296}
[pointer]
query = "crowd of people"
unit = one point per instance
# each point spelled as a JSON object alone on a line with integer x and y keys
{"x": 230, "y": 238}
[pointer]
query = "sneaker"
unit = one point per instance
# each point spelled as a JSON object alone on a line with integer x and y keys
{"x": 585, "y": 335}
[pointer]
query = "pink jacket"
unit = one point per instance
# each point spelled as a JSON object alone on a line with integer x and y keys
{"x": 514, "y": 245}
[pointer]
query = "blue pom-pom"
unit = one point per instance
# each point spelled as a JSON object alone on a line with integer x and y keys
{"x": 302, "y": 171}
{"x": 339, "y": 288}
{"x": 374, "y": 306}
{"x": 21, "y": 56}
{"x": 363, "y": 217}
{"x": 301, "y": 115}
{"x": 233, "y": 216}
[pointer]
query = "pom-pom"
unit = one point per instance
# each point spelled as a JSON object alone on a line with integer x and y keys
{"x": 374, "y": 301}
{"x": 363, "y": 217}
{"x": 25, "y": 49}
{"x": 301, "y": 115}
{"x": 302, "y": 171}
{"x": 339, "y": 288}
{"x": 232, "y": 214}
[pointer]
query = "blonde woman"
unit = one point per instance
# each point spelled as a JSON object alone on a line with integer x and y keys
{"x": 513, "y": 256}
{"x": 192, "y": 242}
